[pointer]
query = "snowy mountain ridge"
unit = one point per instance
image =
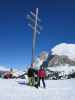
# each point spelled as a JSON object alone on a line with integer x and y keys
{"x": 64, "y": 49}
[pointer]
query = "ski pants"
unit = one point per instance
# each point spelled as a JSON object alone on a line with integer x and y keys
{"x": 42, "y": 82}
{"x": 31, "y": 80}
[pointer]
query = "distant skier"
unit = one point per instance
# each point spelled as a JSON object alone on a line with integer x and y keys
{"x": 41, "y": 75}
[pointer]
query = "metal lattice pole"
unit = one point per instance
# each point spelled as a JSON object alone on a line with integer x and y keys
{"x": 34, "y": 19}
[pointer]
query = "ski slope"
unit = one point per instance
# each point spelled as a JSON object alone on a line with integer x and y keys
{"x": 55, "y": 90}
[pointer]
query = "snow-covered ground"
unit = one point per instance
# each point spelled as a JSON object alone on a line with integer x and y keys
{"x": 55, "y": 90}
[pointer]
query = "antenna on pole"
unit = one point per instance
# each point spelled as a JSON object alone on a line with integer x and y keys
{"x": 34, "y": 25}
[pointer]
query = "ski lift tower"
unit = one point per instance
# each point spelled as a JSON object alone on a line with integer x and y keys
{"x": 34, "y": 24}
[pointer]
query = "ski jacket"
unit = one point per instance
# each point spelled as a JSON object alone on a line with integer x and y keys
{"x": 30, "y": 72}
{"x": 41, "y": 73}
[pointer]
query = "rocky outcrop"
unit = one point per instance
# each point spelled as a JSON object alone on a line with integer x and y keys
{"x": 55, "y": 60}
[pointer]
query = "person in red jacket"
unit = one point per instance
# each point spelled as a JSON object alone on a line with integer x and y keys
{"x": 41, "y": 75}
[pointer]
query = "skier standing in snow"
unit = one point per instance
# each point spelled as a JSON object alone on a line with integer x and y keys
{"x": 31, "y": 76}
{"x": 41, "y": 75}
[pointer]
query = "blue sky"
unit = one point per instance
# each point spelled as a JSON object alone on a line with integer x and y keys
{"x": 58, "y": 21}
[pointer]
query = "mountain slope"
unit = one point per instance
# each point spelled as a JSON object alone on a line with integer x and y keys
{"x": 60, "y": 60}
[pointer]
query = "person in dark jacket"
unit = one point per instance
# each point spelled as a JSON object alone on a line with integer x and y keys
{"x": 41, "y": 75}
{"x": 31, "y": 76}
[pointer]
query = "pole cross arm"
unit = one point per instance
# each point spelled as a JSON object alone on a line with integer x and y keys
{"x": 34, "y": 15}
{"x": 33, "y": 22}
{"x": 32, "y": 27}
